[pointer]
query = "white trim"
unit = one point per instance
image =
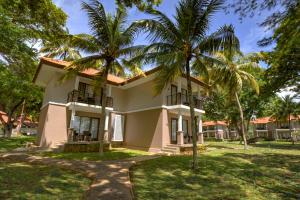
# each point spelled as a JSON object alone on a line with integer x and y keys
{"x": 160, "y": 107}
{"x": 140, "y": 110}
{"x": 52, "y": 103}
{"x": 84, "y": 105}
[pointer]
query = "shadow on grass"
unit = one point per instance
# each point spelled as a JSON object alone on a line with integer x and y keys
{"x": 8, "y": 144}
{"x": 227, "y": 176}
{"x": 24, "y": 181}
{"x": 114, "y": 154}
{"x": 278, "y": 145}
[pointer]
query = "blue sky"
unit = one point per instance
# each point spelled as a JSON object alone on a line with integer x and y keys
{"x": 248, "y": 31}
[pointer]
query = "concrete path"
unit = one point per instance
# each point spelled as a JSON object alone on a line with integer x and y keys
{"x": 110, "y": 178}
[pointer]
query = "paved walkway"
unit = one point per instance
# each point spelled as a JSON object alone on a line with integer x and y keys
{"x": 110, "y": 178}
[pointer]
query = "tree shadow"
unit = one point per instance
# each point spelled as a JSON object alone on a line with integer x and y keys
{"x": 230, "y": 176}
{"x": 274, "y": 145}
{"x": 29, "y": 181}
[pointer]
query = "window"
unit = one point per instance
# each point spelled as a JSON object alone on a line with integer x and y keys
{"x": 89, "y": 124}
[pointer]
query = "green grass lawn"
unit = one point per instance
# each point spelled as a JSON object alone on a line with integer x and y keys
{"x": 114, "y": 154}
{"x": 8, "y": 144}
{"x": 268, "y": 170}
{"x": 24, "y": 181}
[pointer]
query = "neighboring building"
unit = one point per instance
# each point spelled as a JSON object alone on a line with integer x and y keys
{"x": 269, "y": 127}
{"x": 219, "y": 130}
{"x": 215, "y": 129}
{"x": 134, "y": 115}
{"x": 28, "y": 127}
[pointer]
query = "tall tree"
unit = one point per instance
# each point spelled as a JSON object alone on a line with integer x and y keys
{"x": 181, "y": 45}
{"x": 231, "y": 74}
{"x": 110, "y": 42}
{"x": 22, "y": 25}
{"x": 140, "y": 4}
{"x": 284, "y": 58}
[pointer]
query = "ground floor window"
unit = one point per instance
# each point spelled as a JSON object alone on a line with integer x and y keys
{"x": 86, "y": 125}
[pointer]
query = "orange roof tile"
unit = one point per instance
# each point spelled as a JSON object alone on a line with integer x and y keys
{"x": 262, "y": 120}
{"x": 213, "y": 123}
{"x": 92, "y": 72}
{"x": 89, "y": 72}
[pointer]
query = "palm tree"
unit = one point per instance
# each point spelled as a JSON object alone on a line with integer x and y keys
{"x": 179, "y": 46}
{"x": 286, "y": 107}
{"x": 111, "y": 40}
{"x": 61, "y": 48}
{"x": 231, "y": 73}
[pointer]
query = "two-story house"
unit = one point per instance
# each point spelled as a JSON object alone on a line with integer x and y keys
{"x": 134, "y": 115}
{"x": 269, "y": 127}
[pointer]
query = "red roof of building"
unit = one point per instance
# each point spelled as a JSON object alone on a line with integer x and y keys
{"x": 262, "y": 120}
{"x": 3, "y": 117}
{"x": 214, "y": 123}
{"x": 92, "y": 72}
{"x": 265, "y": 120}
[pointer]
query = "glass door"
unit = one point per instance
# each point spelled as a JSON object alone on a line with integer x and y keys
{"x": 173, "y": 131}
{"x": 94, "y": 127}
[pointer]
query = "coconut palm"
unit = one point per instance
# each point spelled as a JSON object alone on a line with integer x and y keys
{"x": 110, "y": 42}
{"x": 286, "y": 108}
{"x": 180, "y": 44}
{"x": 232, "y": 73}
{"x": 61, "y": 48}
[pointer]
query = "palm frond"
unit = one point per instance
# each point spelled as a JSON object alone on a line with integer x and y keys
{"x": 86, "y": 43}
{"x": 223, "y": 39}
{"x": 93, "y": 61}
{"x": 97, "y": 20}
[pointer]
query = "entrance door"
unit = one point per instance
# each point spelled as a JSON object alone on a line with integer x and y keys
{"x": 173, "y": 131}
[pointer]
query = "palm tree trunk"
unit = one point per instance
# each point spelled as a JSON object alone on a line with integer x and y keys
{"x": 192, "y": 113}
{"x": 242, "y": 120}
{"x": 103, "y": 107}
{"x": 290, "y": 129}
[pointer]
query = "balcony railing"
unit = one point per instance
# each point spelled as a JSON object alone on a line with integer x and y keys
{"x": 77, "y": 96}
{"x": 181, "y": 99}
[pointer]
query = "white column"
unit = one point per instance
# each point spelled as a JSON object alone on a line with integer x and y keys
{"x": 106, "y": 121}
{"x": 198, "y": 92}
{"x": 109, "y": 91}
{"x": 200, "y": 130}
{"x": 179, "y": 85}
{"x": 72, "y": 117}
{"x": 76, "y": 82}
{"x": 179, "y": 122}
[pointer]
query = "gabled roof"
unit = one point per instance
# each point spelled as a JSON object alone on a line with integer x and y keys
{"x": 214, "y": 123}
{"x": 91, "y": 73}
{"x": 262, "y": 120}
{"x": 265, "y": 120}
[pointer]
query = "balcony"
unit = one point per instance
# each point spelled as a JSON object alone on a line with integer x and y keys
{"x": 91, "y": 99}
{"x": 181, "y": 99}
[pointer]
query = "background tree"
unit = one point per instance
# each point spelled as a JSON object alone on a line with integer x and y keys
{"x": 110, "y": 42}
{"x": 178, "y": 47}
{"x": 61, "y": 47}
{"x": 286, "y": 108}
{"x": 140, "y": 4}
{"x": 283, "y": 60}
{"x": 23, "y": 24}
{"x": 232, "y": 73}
